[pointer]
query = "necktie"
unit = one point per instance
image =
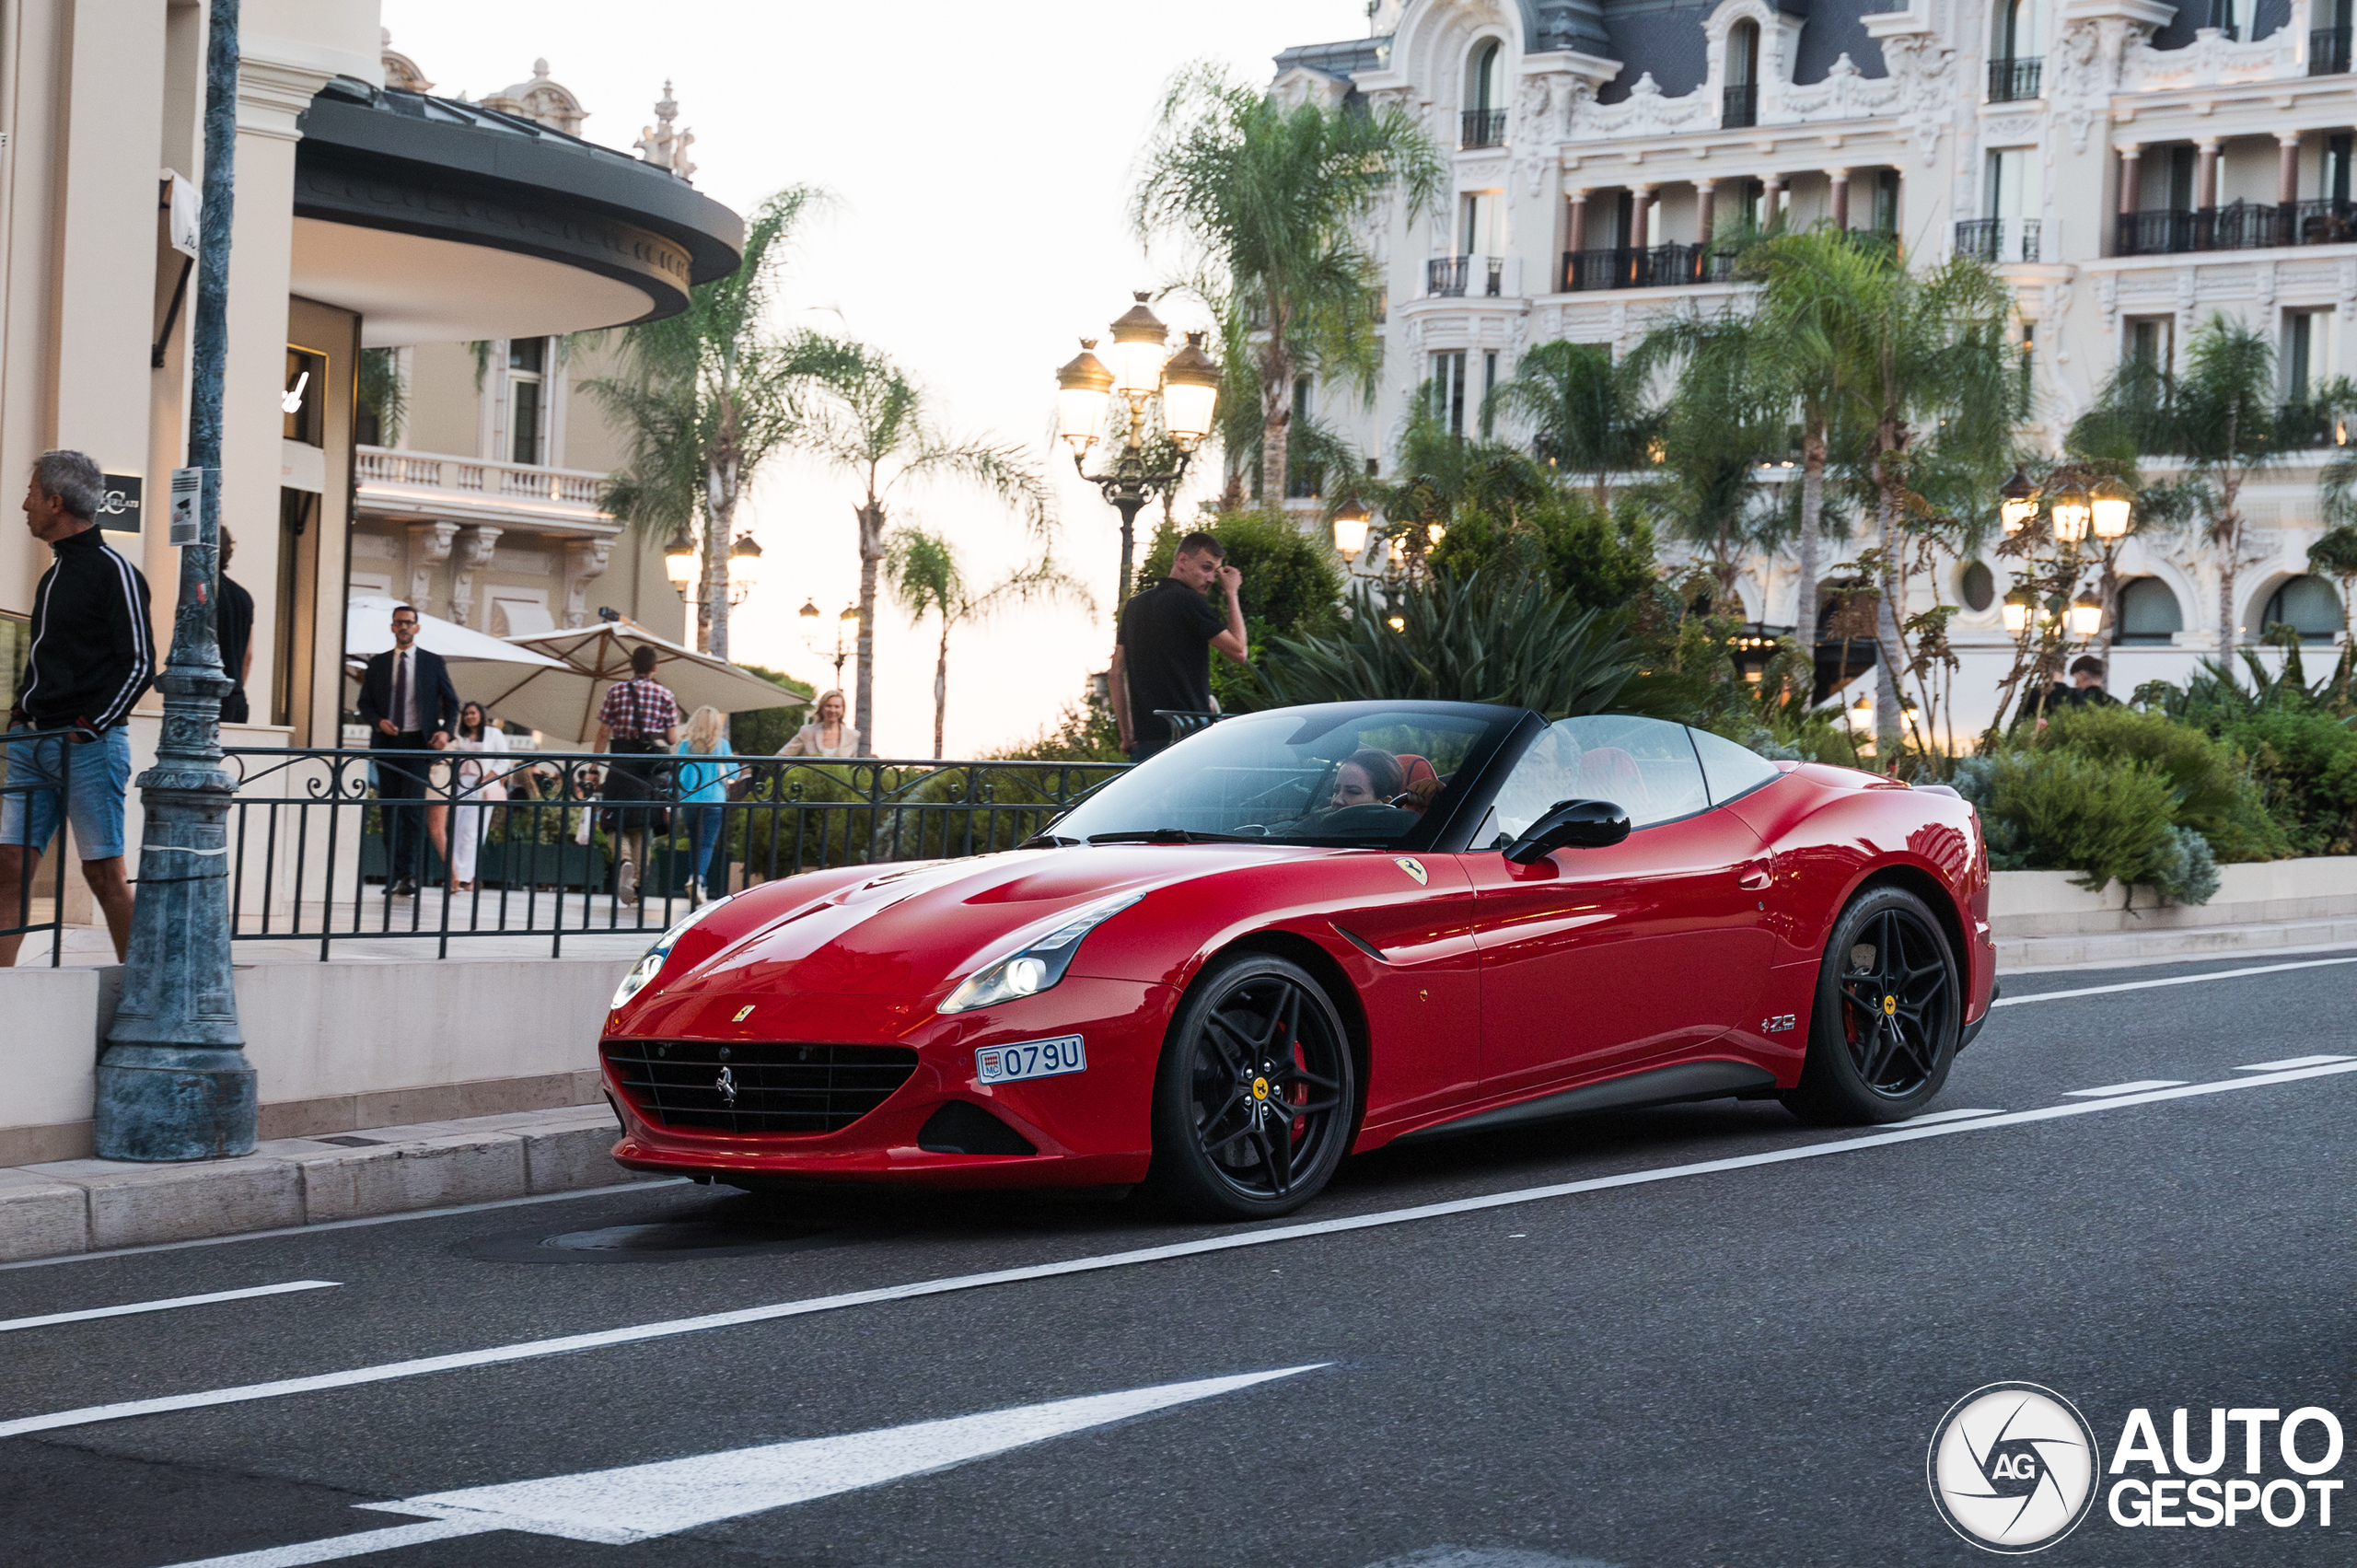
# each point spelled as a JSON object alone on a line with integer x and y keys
{"x": 403, "y": 719}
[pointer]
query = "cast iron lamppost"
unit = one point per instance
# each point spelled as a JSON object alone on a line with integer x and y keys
{"x": 744, "y": 566}
{"x": 810, "y": 613}
{"x": 2048, "y": 607}
{"x": 174, "y": 1082}
{"x": 1188, "y": 384}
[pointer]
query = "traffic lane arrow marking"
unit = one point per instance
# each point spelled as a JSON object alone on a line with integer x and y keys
{"x": 635, "y": 1503}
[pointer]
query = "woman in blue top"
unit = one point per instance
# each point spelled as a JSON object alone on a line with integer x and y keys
{"x": 703, "y": 787}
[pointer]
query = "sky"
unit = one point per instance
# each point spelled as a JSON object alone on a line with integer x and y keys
{"x": 980, "y": 159}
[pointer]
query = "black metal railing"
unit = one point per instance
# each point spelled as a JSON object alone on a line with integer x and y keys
{"x": 1658, "y": 266}
{"x": 1493, "y": 276}
{"x": 1997, "y": 240}
{"x": 1739, "y": 106}
{"x": 1445, "y": 275}
{"x": 2015, "y": 81}
{"x": 20, "y": 790}
{"x": 2304, "y": 426}
{"x": 2327, "y": 51}
{"x": 2242, "y": 226}
{"x": 310, "y": 860}
{"x": 1482, "y": 128}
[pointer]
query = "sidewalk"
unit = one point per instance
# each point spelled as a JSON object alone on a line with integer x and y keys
{"x": 92, "y": 1205}
{"x": 2122, "y": 949}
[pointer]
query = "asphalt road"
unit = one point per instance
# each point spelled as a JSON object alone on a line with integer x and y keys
{"x": 1735, "y": 1365}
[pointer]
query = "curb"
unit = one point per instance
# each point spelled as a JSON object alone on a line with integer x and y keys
{"x": 2126, "y": 948}
{"x": 93, "y": 1206}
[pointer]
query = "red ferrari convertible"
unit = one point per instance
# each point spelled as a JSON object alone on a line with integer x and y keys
{"x": 1315, "y": 931}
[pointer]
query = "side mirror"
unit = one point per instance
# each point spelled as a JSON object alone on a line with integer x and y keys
{"x": 1570, "y": 824}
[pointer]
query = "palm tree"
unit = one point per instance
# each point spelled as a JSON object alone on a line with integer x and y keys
{"x": 1911, "y": 361}
{"x": 927, "y": 578}
{"x": 1723, "y": 419}
{"x": 1585, "y": 415}
{"x": 1268, "y": 201}
{"x": 707, "y": 398}
{"x": 2219, "y": 418}
{"x": 869, "y": 419}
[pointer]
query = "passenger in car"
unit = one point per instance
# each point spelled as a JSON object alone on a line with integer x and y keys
{"x": 1368, "y": 777}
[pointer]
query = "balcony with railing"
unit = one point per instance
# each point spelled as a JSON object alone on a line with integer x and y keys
{"x": 1482, "y": 128}
{"x": 1998, "y": 240}
{"x": 2304, "y": 426}
{"x": 1448, "y": 277}
{"x": 1660, "y": 266}
{"x": 474, "y": 488}
{"x": 2016, "y": 81}
{"x": 2241, "y": 225}
{"x": 1739, "y": 106}
{"x": 2328, "y": 52}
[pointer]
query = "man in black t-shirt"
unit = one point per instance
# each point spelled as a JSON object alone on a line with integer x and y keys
{"x": 1162, "y": 654}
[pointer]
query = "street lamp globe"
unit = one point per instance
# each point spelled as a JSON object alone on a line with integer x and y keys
{"x": 1350, "y": 529}
{"x": 745, "y": 561}
{"x": 1436, "y": 532}
{"x": 2018, "y": 606}
{"x": 2071, "y": 513}
{"x": 1081, "y": 389}
{"x": 2017, "y": 501}
{"x": 1862, "y": 712}
{"x": 1138, "y": 338}
{"x": 2112, "y": 505}
{"x": 1190, "y": 393}
{"x": 679, "y": 559}
{"x": 810, "y": 613}
{"x": 2087, "y": 615}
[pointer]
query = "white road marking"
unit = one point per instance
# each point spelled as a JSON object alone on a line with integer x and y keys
{"x": 164, "y": 1306}
{"x": 635, "y": 1503}
{"x": 637, "y": 1333}
{"x": 336, "y": 1547}
{"x": 1943, "y": 1115}
{"x": 2137, "y": 1086}
{"x": 2172, "y": 980}
{"x": 614, "y": 1191}
{"x": 2293, "y": 1061}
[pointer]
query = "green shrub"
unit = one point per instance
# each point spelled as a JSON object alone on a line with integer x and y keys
{"x": 2216, "y": 794}
{"x": 2305, "y": 761}
{"x": 1600, "y": 560}
{"x": 2048, "y": 808}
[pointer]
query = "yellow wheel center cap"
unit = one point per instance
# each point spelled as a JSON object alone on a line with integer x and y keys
{"x": 1260, "y": 1088}
{"x": 1889, "y": 1005}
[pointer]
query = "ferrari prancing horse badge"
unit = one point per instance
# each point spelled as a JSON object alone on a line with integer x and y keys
{"x": 1412, "y": 867}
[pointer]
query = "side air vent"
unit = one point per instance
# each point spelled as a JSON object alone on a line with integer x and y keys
{"x": 962, "y": 1127}
{"x": 757, "y": 1086}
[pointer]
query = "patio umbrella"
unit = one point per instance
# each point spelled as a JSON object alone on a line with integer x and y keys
{"x": 369, "y": 629}
{"x": 563, "y": 703}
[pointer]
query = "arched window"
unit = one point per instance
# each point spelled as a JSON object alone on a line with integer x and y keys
{"x": 2015, "y": 52}
{"x": 1485, "y": 114}
{"x": 2148, "y": 612}
{"x": 2308, "y": 605}
{"x": 1740, "y": 104}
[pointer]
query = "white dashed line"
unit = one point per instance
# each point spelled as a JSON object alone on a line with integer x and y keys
{"x": 2138, "y": 1088}
{"x": 1945, "y": 1116}
{"x": 2288, "y": 1065}
{"x": 640, "y": 1333}
{"x": 164, "y": 1305}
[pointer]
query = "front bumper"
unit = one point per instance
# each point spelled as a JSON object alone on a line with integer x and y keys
{"x": 1091, "y": 1128}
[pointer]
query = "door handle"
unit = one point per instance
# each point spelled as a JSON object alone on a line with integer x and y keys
{"x": 1754, "y": 878}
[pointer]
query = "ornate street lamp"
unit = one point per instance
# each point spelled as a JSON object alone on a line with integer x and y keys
{"x": 1143, "y": 369}
{"x": 2017, "y": 501}
{"x": 744, "y": 568}
{"x": 2072, "y": 509}
{"x": 679, "y": 559}
{"x": 2111, "y": 504}
{"x": 1351, "y": 520}
{"x": 2019, "y": 606}
{"x": 2087, "y": 614}
{"x": 809, "y": 615}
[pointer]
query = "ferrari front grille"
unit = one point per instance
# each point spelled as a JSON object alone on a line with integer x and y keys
{"x": 756, "y": 1086}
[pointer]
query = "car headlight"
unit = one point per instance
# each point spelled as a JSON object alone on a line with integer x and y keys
{"x": 1039, "y": 963}
{"x": 644, "y": 972}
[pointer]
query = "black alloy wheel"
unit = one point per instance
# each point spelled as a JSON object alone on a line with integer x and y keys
{"x": 1254, "y": 1101}
{"x": 1889, "y": 1003}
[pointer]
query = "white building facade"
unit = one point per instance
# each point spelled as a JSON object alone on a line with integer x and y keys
{"x": 2130, "y": 168}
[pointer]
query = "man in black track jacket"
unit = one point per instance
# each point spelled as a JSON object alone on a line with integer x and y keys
{"x": 92, "y": 655}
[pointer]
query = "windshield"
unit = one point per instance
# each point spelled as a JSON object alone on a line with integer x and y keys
{"x": 1347, "y": 774}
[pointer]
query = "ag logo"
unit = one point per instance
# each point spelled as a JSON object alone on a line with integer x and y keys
{"x": 2013, "y": 1468}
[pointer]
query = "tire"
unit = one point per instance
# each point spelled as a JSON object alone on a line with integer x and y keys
{"x": 1889, "y": 1001}
{"x": 1253, "y": 1033}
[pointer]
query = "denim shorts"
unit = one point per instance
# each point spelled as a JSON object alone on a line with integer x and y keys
{"x": 94, "y": 787}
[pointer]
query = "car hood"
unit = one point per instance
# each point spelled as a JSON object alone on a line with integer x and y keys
{"x": 915, "y": 931}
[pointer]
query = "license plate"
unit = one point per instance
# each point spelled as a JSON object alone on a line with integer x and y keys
{"x": 1032, "y": 1058}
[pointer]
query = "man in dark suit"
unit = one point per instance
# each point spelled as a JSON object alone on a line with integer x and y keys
{"x": 409, "y": 705}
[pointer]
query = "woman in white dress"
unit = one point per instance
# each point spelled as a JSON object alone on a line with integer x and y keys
{"x": 478, "y": 785}
{"x": 826, "y": 735}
